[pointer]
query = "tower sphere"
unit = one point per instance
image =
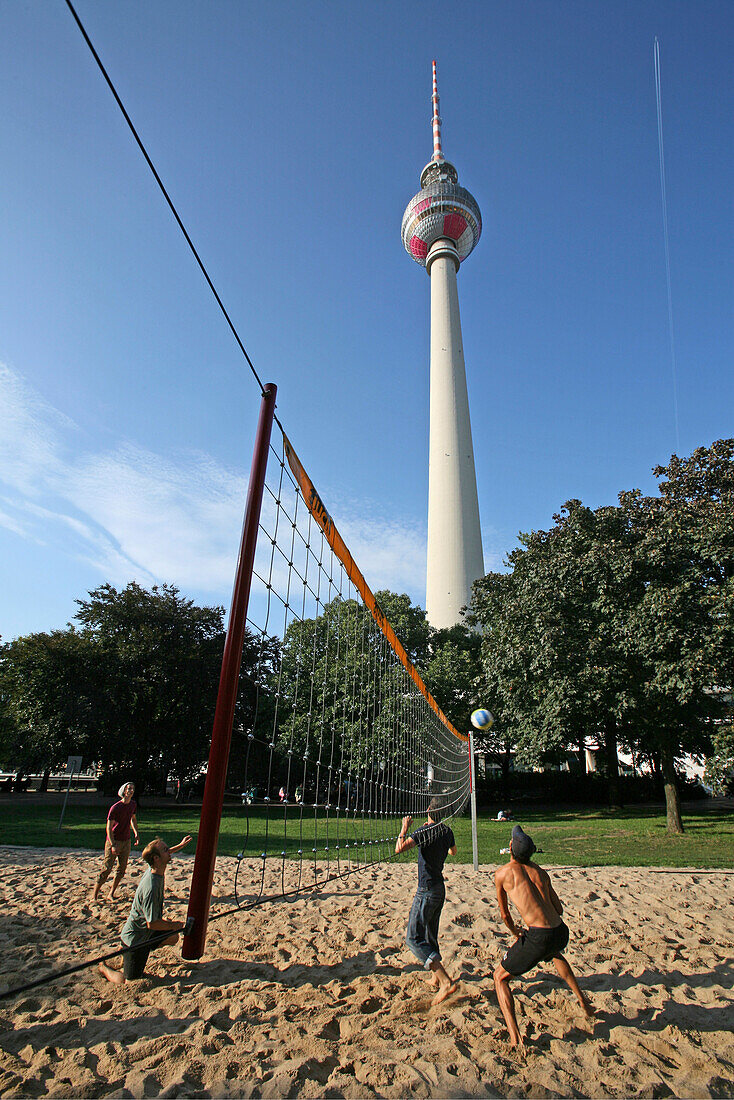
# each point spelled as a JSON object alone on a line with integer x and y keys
{"x": 441, "y": 209}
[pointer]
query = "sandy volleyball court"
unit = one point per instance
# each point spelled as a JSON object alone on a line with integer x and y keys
{"x": 318, "y": 997}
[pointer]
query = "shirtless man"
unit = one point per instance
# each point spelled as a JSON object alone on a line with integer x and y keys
{"x": 529, "y": 889}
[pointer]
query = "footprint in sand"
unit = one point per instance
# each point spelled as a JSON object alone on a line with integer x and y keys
{"x": 464, "y": 920}
{"x": 331, "y": 1030}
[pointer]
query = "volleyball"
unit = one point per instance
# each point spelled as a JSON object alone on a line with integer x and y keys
{"x": 482, "y": 719}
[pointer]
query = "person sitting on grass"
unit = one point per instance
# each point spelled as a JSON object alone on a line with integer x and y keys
{"x": 529, "y": 888}
{"x": 145, "y": 921}
{"x": 434, "y": 841}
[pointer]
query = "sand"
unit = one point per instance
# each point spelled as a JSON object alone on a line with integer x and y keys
{"x": 318, "y": 996}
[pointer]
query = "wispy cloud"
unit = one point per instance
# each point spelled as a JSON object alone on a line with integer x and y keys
{"x": 28, "y": 431}
{"x": 133, "y": 513}
{"x": 177, "y": 518}
{"x": 12, "y": 523}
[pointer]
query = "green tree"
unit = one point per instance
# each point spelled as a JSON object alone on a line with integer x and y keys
{"x": 133, "y": 688}
{"x": 343, "y": 699}
{"x": 619, "y": 623}
{"x": 47, "y": 713}
{"x": 554, "y": 649}
{"x": 719, "y": 773}
{"x": 683, "y": 627}
{"x": 157, "y": 657}
{"x": 451, "y": 670}
{"x": 336, "y": 692}
{"x": 409, "y": 622}
{"x": 255, "y": 711}
{"x": 506, "y": 684}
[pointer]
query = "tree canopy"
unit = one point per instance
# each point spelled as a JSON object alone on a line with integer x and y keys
{"x": 132, "y": 687}
{"x": 617, "y": 623}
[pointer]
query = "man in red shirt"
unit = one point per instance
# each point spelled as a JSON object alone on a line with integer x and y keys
{"x": 120, "y": 821}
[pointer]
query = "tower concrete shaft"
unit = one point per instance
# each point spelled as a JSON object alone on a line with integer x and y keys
{"x": 455, "y": 557}
{"x": 441, "y": 226}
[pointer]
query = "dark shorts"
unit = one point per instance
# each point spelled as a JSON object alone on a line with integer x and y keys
{"x": 133, "y": 962}
{"x": 535, "y": 946}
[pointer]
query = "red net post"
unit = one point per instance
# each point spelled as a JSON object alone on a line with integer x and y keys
{"x": 211, "y": 810}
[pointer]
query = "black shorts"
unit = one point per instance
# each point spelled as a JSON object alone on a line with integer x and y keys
{"x": 535, "y": 946}
{"x": 133, "y": 962}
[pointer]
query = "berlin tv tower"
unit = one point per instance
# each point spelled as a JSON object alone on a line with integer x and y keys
{"x": 441, "y": 226}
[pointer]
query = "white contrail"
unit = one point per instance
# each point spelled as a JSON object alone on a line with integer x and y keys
{"x": 663, "y": 196}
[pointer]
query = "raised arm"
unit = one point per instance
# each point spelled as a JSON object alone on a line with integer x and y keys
{"x": 181, "y": 844}
{"x": 404, "y": 841}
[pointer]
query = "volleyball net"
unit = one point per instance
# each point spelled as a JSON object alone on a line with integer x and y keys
{"x": 342, "y": 737}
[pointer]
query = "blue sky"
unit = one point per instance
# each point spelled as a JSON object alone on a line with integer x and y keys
{"x": 291, "y": 137}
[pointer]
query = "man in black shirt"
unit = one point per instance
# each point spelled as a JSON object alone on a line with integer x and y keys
{"x": 434, "y": 841}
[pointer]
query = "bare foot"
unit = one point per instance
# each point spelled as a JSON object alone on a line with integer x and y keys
{"x": 115, "y": 976}
{"x": 444, "y": 992}
{"x": 502, "y": 1037}
{"x": 433, "y": 982}
{"x": 588, "y": 1008}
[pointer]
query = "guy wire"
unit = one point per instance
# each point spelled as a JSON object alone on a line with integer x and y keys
{"x": 166, "y": 196}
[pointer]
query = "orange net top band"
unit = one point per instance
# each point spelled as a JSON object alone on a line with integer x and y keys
{"x": 336, "y": 542}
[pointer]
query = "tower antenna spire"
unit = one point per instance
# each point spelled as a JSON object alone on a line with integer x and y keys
{"x": 436, "y": 121}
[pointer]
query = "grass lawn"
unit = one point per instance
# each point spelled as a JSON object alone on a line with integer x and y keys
{"x": 634, "y": 837}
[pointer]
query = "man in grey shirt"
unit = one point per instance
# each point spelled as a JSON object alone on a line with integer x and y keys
{"x": 146, "y": 921}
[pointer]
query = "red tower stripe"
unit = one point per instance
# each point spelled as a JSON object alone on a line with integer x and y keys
{"x": 453, "y": 226}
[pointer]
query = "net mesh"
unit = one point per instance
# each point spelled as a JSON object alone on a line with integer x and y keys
{"x": 344, "y": 738}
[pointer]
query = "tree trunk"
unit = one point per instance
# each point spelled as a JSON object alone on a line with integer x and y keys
{"x": 672, "y": 795}
{"x": 611, "y": 760}
{"x": 44, "y": 781}
{"x": 657, "y": 774}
